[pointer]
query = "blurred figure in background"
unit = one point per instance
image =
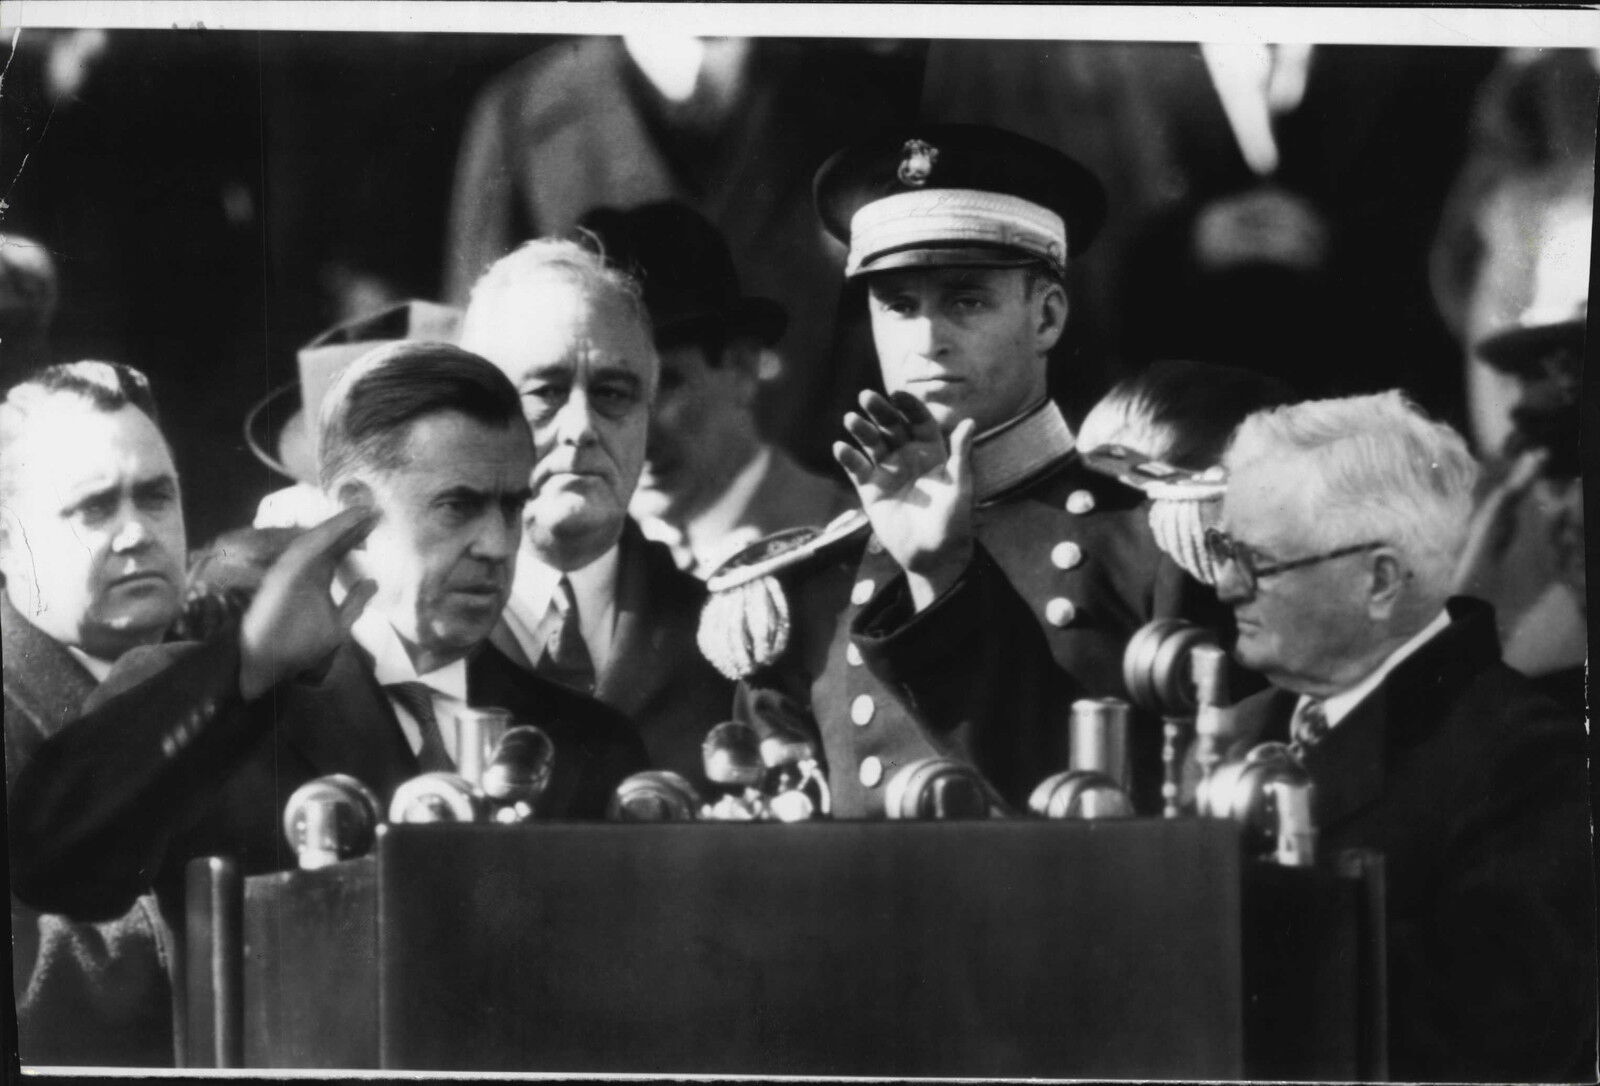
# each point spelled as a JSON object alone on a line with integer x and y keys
{"x": 28, "y": 296}
{"x": 711, "y": 484}
{"x": 1526, "y": 187}
{"x": 733, "y": 126}
{"x": 1179, "y": 412}
{"x": 1266, "y": 196}
{"x": 1527, "y": 552}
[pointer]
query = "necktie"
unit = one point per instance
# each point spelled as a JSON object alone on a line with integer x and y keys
{"x": 1310, "y": 723}
{"x": 417, "y": 699}
{"x": 566, "y": 656}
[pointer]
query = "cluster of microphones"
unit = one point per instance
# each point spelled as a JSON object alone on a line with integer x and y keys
{"x": 1171, "y": 668}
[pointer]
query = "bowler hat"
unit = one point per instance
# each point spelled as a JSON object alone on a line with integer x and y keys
{"x": 682, "y": 261}
{"x": 281, "y": 428}
{"x": 960, "y": 195}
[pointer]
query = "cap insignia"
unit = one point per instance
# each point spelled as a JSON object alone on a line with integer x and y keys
{"x": 917, "y": 163}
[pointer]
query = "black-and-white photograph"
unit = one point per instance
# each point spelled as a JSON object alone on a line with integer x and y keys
{"x": 900, "y": 541}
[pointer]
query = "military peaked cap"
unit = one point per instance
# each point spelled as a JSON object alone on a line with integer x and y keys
{"x": 957, "y": 195}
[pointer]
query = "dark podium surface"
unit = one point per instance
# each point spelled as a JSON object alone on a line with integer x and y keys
{"x": 1139, "y": 949}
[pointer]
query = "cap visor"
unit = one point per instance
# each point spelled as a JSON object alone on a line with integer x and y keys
{"x": 968, "y": 256}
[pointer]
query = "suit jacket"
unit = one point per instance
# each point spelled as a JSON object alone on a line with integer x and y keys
{"x": 86, "y": 994}
{"x": 170, "y": 764}
{"x": 656, "y": 676}
{"x": 988, "y": 672}
{"x": 1472, "y": 785}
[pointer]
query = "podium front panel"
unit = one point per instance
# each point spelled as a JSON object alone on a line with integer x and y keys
{"x": 985, "y": 948}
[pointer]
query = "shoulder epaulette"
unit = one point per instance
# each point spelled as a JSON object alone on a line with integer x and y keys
{"x": 1183, "y": 503}
{"x": 745, "y": 621}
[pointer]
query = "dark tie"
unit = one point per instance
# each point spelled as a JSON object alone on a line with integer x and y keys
{"x": 566, "y": 657}
{"x": 417, "y": 699}
{"x": 1310, "y": 723}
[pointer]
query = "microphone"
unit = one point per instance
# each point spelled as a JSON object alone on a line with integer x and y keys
{"x": 1269, "y": 793}
{"x": 936, "y": 788}
{"x": 518, "y": 774}
{"x": 437, "y": 797}
{"x": 795, "y": 785}
{"x": 655, "y": 795}
{"x": 1158, "y": 669}
{"x": 330, "y": 819}
{"x": 479, "y": 734}
{"x": 1096, "y": 785}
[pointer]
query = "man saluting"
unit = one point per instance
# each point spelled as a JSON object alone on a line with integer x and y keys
{"x": 195, "y": 748}
{"x": 1002, "y": 577}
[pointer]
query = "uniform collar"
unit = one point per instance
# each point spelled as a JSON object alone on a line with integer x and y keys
{"x": 1016, "y": 450}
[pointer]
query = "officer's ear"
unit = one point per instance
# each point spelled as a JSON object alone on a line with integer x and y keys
{"x": 1049, "y": 308}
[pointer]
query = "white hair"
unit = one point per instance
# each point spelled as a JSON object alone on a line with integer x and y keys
{"x": 1376, "y": 468}
{"x": 540, "y": 260}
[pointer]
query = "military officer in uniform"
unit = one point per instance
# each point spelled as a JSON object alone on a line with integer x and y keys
{"x": 995, "y": 575}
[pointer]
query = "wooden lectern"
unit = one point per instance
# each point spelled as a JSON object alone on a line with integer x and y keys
{"x": 1131, "y": 949}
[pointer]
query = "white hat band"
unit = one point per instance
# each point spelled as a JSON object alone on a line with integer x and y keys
{"x": 956, "y": 217}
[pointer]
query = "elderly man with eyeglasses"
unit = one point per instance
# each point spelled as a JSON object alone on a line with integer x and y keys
{"x": 1339, "y": 534}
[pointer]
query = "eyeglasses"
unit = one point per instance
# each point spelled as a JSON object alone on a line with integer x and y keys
{"x": 1222, "y": 547}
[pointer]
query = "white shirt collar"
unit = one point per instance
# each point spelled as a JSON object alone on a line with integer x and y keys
{"x": 92, "y": 664}
{"x": 716, "y": 534}
{"x": 594, "y": 586}
{"x": 1338, "y": 706}
{"x": 391, "y": 663}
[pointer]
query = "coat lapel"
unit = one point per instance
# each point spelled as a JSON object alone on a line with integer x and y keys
{"x": 42, "y": 678}
{"x": 633, "y": 654}
{"x": 344, "y": 723}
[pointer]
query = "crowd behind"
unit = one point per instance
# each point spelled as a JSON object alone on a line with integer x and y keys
{"x": 1350, "y": 283}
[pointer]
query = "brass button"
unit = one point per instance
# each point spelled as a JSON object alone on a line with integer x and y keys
{"x": 1066, "y": 555}
{"x": 852, "y": 655}
{"x": 871, "y": 771}
{"x": 874, "y": 545}
{"x": 862, "y": 592}
{"x": 1060, "y": 611}
{"x": 861, "y": 710}
{"x": 1080, "y": 502}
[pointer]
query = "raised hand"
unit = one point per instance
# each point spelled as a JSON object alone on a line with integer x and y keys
{"x": 916, "y": 490}
{"x": 293, "y": 624}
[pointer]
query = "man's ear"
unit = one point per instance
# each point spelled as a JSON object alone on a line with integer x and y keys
{"x": 357, "y": 494}
{"x": 741, "y": 358}
{"x": 1051, "y": 314}
{"x": 1388, "y": 576}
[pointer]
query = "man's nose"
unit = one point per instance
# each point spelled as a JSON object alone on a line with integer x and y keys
{"x": 498, "y": 536}
{"x": 1231, "y": 584}
{"x": 575, "y": 421}
{"x": 132, "y": 534}
{"x": 928, "y": 335}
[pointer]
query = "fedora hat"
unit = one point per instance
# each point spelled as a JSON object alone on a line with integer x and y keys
{"x": 281, "y": 428}
{"x": 683, "y": 263}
